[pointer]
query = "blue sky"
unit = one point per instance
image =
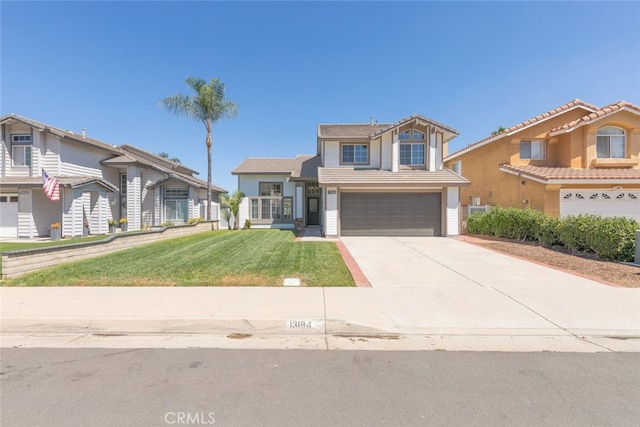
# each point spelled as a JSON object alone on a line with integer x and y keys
{"x": 289, "y": 66}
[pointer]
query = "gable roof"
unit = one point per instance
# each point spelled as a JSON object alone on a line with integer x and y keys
{"x": 372, "y": 130}
{"x": 302, "y": 166}
{"x": 572, "y": 105}
{"x": 598, "y": 114}
{"x": 552, "y": 174}
{"x": 65, "y": 134}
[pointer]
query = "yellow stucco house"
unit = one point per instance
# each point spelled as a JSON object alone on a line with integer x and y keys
{"x": 574, "y": 159}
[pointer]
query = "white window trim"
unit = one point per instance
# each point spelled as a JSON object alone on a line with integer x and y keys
{"x": 28, "y": 159}
{"x": 531, "y": 142}
{"x": 411, "y": 144}
{"x": 354, "y": 162}
{"x": 624, "y": 142}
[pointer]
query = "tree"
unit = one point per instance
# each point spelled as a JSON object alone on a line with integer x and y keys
{"x": 231, "y": 204}
{"x": 173, "y": 159}
{"x": 495, "y": 132}
{"x": 207, "y": 105}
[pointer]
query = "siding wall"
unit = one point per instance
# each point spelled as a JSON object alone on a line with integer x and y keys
{"x": 331, "y": 211}
{"x": 453, "y": 211}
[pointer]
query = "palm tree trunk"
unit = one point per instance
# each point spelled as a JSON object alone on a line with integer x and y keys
{"x": 209, "y": 143}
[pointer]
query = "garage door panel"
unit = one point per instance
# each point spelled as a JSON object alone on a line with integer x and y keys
{"x": 606, "y": 203}
{"x": 390, "y": 214}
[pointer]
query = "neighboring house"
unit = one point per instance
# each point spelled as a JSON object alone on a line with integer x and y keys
{"x": 574, "y": 159}
{"x": 98, "y": 182}
{"x": 366, "y": 179}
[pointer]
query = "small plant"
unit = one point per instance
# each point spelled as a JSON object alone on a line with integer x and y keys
{"x": 123, "y": 220}
{"x": 55, "y": 225}
{"x": 112, "y": 222}
{"x": 194, "y": 220}
{"x": 167, "y": 224}
{"x": 247, "y": 224}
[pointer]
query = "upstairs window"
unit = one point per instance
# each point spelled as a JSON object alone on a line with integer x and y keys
{"x": 411, "y": 134}
{"x": 355, "y": 153}
{"x": 412, "y": 154}
{"x": 532, "y": 150}
{"x": 610, "y": 143}
{"x": 21, "y": 150}
{"x": 457, "y": 167}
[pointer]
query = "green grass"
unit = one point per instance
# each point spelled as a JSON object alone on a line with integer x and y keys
{"x": 219, "y": 258}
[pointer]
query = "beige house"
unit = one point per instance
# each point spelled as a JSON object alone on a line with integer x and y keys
{"x": 365, "y": 179}
{"x": 575, "y": 159}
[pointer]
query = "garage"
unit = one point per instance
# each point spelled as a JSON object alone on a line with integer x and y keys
{"x": 9, "y": 215}
{"x": 606, "y": 203}
{"x": 391, "y": 214}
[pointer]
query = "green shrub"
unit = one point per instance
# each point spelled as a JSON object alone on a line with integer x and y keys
{"x": 194, "y": 220}
{"x": 609, "y": 238}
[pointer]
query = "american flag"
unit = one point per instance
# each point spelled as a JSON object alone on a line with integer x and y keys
{"x": 51, "y": 186}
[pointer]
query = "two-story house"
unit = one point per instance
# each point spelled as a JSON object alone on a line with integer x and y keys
{"x": 97, "y": 182}
{"x": 365, "y": 179}
{"x": 575, "y": 159}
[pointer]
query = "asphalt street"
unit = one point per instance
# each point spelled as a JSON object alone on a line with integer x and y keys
{"x": 159, "y": 387}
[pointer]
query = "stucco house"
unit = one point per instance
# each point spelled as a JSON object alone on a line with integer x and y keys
{"x": 365, "y": 179}
{"x": 575, "y": 159}
{"x": 97, "y": 182}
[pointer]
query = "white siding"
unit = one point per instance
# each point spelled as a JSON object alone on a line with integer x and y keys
{"x": 374, "y": 153}
{"x": 26, "y": 226}
{"x": 331, "y": 212}
{"x": 331, "y": 154}
{"x": 453, "y": 211}
{"x": 299, "y": 202}
{"x": 432, "y": 152}
{"x": 76, "y": 160}
{"x": 386, "y": 151}
{"x": 134, "y": 198}
{"x": 72, "y": 215}
{"x": 50, "y": 159}
{"x": 438, "y": 161}
{"x": 395, "y": 153}
{"x": 250, "y": 184}
{"x": 49, "y": 211}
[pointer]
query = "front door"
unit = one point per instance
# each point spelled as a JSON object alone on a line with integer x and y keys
{"x": 313, "y": 211}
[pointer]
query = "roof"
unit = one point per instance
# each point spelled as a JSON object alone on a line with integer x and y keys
{"x": 552, "y": 174}
{"x": 576, "y": 103}
{"x": 148, "y": 158}
{"x": 370, "y": 130}
{"x": 301, "y": 166}
{"x": 346, "y": 130}
{"x": 369, "y": 177}
{"x": 65, "y": 181}
{"x": 60, "y": 132}
{"x": 195, "y": 182}
{"x": 596, "y": 115}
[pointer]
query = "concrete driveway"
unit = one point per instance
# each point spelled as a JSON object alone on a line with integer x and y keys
{"x": 400, "y": 262}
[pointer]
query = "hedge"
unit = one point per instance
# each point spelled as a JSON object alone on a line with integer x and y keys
{"x": 609, "y": 238}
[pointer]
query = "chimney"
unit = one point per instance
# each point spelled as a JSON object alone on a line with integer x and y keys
{"x": 371, "y": 120}
{"x": 84, "y": 132}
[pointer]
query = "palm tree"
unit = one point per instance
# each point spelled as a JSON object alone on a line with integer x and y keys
{"x": 207, "y": 105}
{"x": 231, "y": 205}
{"x": 165, "y": 155}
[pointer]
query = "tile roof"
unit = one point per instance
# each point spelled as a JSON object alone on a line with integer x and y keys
{"x": 266, "y": 165}
{"x": 552, "y": 173}
{"x": 355, "y": 130}
{"x": 576, "y": 103}
{"x": 342, "y": 176}
{"x": 368, "y": 130}
{"x": 596, "y": 115}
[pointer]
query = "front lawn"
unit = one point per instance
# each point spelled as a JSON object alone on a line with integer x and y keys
{"x": 219, "y": 258}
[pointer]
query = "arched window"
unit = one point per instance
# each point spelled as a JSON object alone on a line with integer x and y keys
{"x": 610, "y": 144}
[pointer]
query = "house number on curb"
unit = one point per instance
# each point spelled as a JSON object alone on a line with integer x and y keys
{"x": 303, "y": 324}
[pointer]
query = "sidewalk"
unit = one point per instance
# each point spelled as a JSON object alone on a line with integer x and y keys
{"x": 432, "y": 318}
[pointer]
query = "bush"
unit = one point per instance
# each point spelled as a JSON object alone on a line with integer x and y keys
{"x": 247, "y": 224}
{"x": 194, "y": 220}
{"x": 609, "y": 238}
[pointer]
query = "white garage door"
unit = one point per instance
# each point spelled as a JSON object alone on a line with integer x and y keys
{"x": 606, "y": 203}
{"x": 9, "y": 215}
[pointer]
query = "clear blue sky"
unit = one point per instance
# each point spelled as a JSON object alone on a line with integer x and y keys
{"x": 474, "y": 66}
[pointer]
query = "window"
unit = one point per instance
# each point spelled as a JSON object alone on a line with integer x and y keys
{"x": 411, "y": 134}
{"x": 405, "y": 135}
{"x": 21, "y": 150}
{"x": 532, "y": 150}
{"x": 270, "y": 189}
{"x": 412, "y": 154}
{"x": 610, "y": 143}
{"x": 182, "y": 193}
{"x": 457, "y": 167}
{"x": 418, "y": 135}
{"x": 176, "y": 210}
{"x": 271, "y": 208}
{"x": 355, "y": 153}
{"x": 123, "y": 184}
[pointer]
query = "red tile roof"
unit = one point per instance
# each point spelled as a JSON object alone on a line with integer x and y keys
{"x": 558, "y": 110}
{"x": 548, "y": 173}
{"x": 596, "y": 115}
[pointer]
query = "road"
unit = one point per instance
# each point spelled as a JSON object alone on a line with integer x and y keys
{"x": 160, "y": 387}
